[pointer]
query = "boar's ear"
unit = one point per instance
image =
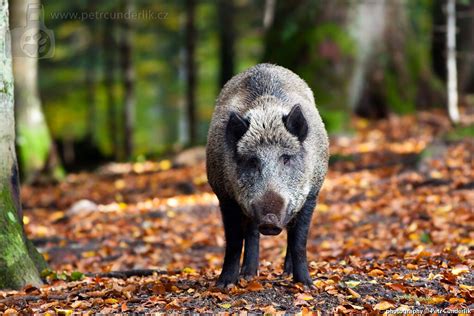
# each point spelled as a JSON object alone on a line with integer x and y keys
{"x": 236, "y": 128}
{"x": 295, "y": 123}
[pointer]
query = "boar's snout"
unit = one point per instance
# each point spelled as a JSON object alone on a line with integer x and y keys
{"x": 269, "y": 212}
{"x": 269, "y": 225}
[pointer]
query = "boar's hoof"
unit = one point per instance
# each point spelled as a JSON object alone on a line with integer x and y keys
{"x": 225, "y": 282}
{"x": 307, "y": 282}
{"x": 269, "y": 225}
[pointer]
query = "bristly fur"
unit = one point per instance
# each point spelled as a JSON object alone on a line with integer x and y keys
{"x": 267, "y": 156}
{"x": 267, "y": 127}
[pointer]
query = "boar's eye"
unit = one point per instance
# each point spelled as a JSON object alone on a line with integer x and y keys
{"x": 252, "y": 163}
{"x": 285, "y": 159}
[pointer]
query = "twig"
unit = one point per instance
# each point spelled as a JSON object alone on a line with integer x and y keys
{"x": 129, "y": 273}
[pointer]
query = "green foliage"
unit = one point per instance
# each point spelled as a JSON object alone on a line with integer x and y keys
{"x": 34, "y": 144}
{"x": 50, "y": 275}
{"x": 460, "y": 133}
{"x": 308, "y": 37}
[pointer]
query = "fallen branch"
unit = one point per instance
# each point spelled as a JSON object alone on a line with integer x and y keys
{"x": 129, "y": 273}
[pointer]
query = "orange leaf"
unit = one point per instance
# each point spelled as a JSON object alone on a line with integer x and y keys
{"x": 353, "y": 293}
{"x": 376, "y": 272}
{"x": 254, "y": 286}
{"x": 111, "y": 300}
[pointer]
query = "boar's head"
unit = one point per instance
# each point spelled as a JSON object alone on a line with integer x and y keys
{"x": 270, "y": 158}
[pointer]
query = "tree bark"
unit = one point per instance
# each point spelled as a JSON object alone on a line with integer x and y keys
{"x": 90, "y": 69}
{"x": 452, "y": 83}
{"x": 17, "y": 266}
{"x": 128, "y": 75}
{"x": 34, "y": 141}
{"x": 191, "y": 71}
{"x": 227, "y": 39}
{"x": 268, "y": 14}
{"x": 109, "y": 48}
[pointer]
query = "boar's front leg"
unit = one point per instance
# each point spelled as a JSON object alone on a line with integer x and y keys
{"x": 297, "y": 239}
{"x": 234, "y": 235}
{"x": 251, "y": 250}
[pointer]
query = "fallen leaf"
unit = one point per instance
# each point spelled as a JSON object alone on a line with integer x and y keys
{"x": 254, "y": 286}
{"x": 376, "y": 272}
{"x": 460, "y": 269}
{"x": 353, "y": 293}
{"x": 111, "y": 300}
{"x": 225, "y": 305}
{"x": 384, "y": 305}
{"x": 352, "y": 283}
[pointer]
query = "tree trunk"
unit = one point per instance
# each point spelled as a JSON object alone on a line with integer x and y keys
{"x": 128, "y": 74}
{"x": 452, "y": 84}
{"x": 191, "y": 71}
{"x": 90, "y": 69}
{"x": 35, "y": 144}
{"x": 19, "y": 263}
{"x": 109, "y": 48}
{"x": 465, "y": 47}
{"x": 227, "y": 38}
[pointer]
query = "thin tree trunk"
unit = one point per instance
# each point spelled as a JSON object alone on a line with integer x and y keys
{"x": 109, "y": 49}
{"x": 268, "y": 14}
{"x": 451, "y": 61}
{"x": 128, "y": 73}
{"x": 191, "y": 71}
{"x": 368, "y": 33}
{"x": 19, "y": 264}
{"x": 227, "y": 38}
{"x": 91, "y": 77}
{"x": 35, "y": 144}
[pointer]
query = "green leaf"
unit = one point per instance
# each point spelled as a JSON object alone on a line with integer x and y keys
{"x": 76, "y": 276}
{"x": 46, "y": 273}
{"x": 425, "y": 238}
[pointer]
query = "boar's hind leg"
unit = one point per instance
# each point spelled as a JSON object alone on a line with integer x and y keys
{"x": 251, "y": 250}
{"x": 234, "y": 235}
{"x": 288, "y": 267}
{"x": 297, "y": 238}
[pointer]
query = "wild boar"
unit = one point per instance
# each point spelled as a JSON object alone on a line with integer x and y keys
{"x": 267, "y": 157}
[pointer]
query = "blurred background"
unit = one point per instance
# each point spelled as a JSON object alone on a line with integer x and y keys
{"x": 133, "y": 80}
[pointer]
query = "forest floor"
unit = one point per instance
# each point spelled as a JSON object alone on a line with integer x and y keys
{"x": 393, "y": 230}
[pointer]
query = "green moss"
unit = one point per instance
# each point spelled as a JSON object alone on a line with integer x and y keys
{"x": 16, "y": 267}
{"x": 34, "y": 144}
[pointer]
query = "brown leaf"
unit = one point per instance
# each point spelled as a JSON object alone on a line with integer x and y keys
{"x": 254, "y": 286}
{"x": 396, "y": 286}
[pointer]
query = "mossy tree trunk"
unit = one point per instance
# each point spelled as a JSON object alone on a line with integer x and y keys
{"x": 38, "y": 156}
{"x": 20, "y": 263}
